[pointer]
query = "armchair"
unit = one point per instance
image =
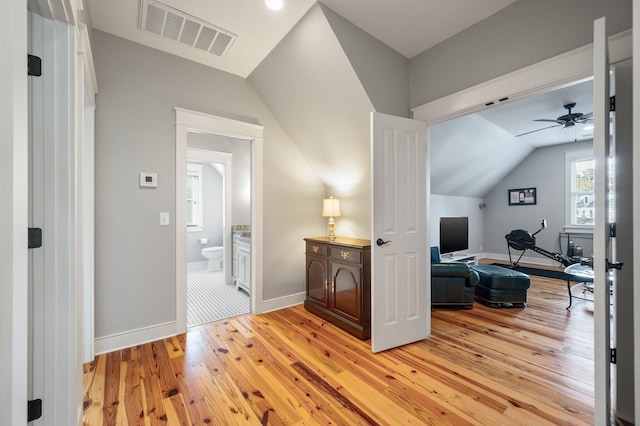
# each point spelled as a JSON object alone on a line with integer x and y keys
{"x": 452, "y": 284}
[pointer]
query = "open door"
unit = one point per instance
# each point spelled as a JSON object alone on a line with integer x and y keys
{"x": 400, "y": 279}
{"x": 604, "y": 265}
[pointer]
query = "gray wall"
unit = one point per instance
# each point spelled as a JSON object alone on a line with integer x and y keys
{"x": 524, "y": 33}
{"x": 135, "y": 131}
{"x": 212, "y": 211}
{"x": 383, "y": 72}
{"x": 448, "y": 206}
{"x": 322, "y": 82}
{"x": 543, "y": 169}
{"x": 241, "y": 170}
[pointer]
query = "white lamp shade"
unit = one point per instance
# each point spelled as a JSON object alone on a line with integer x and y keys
{"x": 331, "y": 207}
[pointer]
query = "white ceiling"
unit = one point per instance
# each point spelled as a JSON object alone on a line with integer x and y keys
{"x": 517, "y": 117}
{"x": 408, "y": 26}
{"x": 484, "y": 147}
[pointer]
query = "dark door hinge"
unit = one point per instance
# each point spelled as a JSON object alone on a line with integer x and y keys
{"x": 612, "y": 265}
{"x": 612, "y": 229}
{"x": 34, "y": 65}
{"x": 34, "y": 409}
{"x": 612, "y": 103}
{"x": 35, "y": 238}
{"x": 613, "y": 355}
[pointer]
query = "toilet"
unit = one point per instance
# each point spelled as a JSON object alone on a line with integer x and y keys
{"x": 215, "y": 256}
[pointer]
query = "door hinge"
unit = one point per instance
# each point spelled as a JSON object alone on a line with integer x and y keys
{"x": 612, "y": 265}
{"x": 35, "y": 238}
{"x": 34, "y": 409}
{"x": 612, "y": 229}
{"x": 612, "y": 103}
{"x": 34, "y": 65}
{"x": 613, "y": 355}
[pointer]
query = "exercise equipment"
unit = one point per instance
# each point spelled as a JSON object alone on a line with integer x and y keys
{"x": 522, "y": 240}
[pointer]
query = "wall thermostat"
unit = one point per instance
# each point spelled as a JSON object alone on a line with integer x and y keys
{"x": 149, "y": 180}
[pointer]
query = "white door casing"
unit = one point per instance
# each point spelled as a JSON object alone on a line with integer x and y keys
{"x": 400, "y": 279}
{"x": 601, "y": 247}
{"x": 636, "y": 207}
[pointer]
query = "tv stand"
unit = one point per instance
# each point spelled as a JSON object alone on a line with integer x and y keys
{"x": 468, "y": 258}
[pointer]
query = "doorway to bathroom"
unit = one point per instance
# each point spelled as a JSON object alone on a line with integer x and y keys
{"x": 218, "y": 218}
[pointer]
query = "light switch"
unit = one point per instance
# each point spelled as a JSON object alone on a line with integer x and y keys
{"x": 164, "y": 219}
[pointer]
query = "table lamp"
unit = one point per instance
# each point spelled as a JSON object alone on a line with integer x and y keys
{"x": 331, "y": 209}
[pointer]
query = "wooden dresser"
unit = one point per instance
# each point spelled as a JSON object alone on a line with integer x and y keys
{"x": 339, "y": 282}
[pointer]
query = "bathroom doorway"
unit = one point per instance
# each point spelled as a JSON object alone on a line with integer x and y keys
{"x": 218, "y": 206}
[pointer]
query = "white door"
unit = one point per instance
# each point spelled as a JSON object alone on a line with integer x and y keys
{"x": 400, "y": 279}
{"x": 602, "y": 243}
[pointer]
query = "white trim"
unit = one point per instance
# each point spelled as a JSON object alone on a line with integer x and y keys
{"x": 187, "y": 120}
{"x": 553, "y": 73}
{"x": 84, "y": 49}
{"x": 131, "y": 338}
{"x": 636, "y": 207}
{"x": 193, "y": 266}
{"x": 14, "y": 168}
{"x": 525, "y": 259}
{"x": 283, "y": 302}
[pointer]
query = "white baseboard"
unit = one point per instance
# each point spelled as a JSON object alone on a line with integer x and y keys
{"x": 280, "y": 303}
{"x": 525, "y": 259}
{"x": 134, "y": 337}
{"x": 197, "y": 265}
{"x": 149, "y": 334}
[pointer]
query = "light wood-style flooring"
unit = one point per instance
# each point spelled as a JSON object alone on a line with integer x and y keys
{"x": 484, "y": 366}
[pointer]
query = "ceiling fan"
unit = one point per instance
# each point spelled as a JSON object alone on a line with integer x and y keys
{"x": 568, "y": 120}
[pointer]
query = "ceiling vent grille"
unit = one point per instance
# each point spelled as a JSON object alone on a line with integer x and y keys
{"x": 181, "y": 27}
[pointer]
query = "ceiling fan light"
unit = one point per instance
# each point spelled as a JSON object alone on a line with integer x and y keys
{"x": 274, "y": 4}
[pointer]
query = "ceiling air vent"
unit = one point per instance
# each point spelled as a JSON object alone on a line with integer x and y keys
{"x": 181, "y": 27}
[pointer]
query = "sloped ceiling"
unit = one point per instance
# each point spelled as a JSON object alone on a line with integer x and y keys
{"x": 472, "y": 154}
{"x": 310, "y": 86}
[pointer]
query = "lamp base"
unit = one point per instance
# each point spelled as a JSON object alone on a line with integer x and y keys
{"x": 332, "y": 229}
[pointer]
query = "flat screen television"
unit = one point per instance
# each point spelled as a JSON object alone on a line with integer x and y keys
{"x": 454, "y": 234}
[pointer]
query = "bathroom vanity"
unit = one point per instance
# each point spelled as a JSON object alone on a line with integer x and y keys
{"x": 241, "y": 268}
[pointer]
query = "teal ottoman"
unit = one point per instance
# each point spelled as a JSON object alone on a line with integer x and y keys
{"x": 501, "y": 287}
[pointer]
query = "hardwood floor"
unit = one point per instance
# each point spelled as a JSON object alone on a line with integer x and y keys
{"x": 485, "y": 366}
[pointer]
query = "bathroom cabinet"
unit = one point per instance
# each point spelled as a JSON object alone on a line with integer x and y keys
{"x": 242, "y": 263}
{"x": 339, "y": 283}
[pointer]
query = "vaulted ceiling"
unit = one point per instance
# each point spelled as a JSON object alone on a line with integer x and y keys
{"x": 236, "y": 37}
{"x": 408, "y": 26}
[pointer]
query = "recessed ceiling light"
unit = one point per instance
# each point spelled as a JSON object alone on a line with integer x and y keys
{"x": 274, "y": 4}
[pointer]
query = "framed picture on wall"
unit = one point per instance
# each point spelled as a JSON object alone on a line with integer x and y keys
{"x": 522, "y": 197}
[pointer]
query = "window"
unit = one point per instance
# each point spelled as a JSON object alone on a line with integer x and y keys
{"x": 194, "y": 197}
{"x": 580, "y": 196}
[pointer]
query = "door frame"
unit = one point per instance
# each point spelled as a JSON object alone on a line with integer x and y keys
{"x": 553, "y": 73}
{"x": 188, "y": 120}
{"x": 14, "y": 166}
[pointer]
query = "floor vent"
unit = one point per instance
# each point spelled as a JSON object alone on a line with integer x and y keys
{"x": 181, "y": 27}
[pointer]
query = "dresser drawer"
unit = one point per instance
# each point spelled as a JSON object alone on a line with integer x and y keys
{"x": 345, "y": 254}
{"x": 316, "y": 249}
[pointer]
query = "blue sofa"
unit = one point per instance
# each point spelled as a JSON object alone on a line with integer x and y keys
{"x": 452, "y": 284}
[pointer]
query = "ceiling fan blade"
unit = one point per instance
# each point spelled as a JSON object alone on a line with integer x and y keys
{"x": 533, "y": 131}
{"x": 550, "y": 121}
{"x": 585, "y": 118}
